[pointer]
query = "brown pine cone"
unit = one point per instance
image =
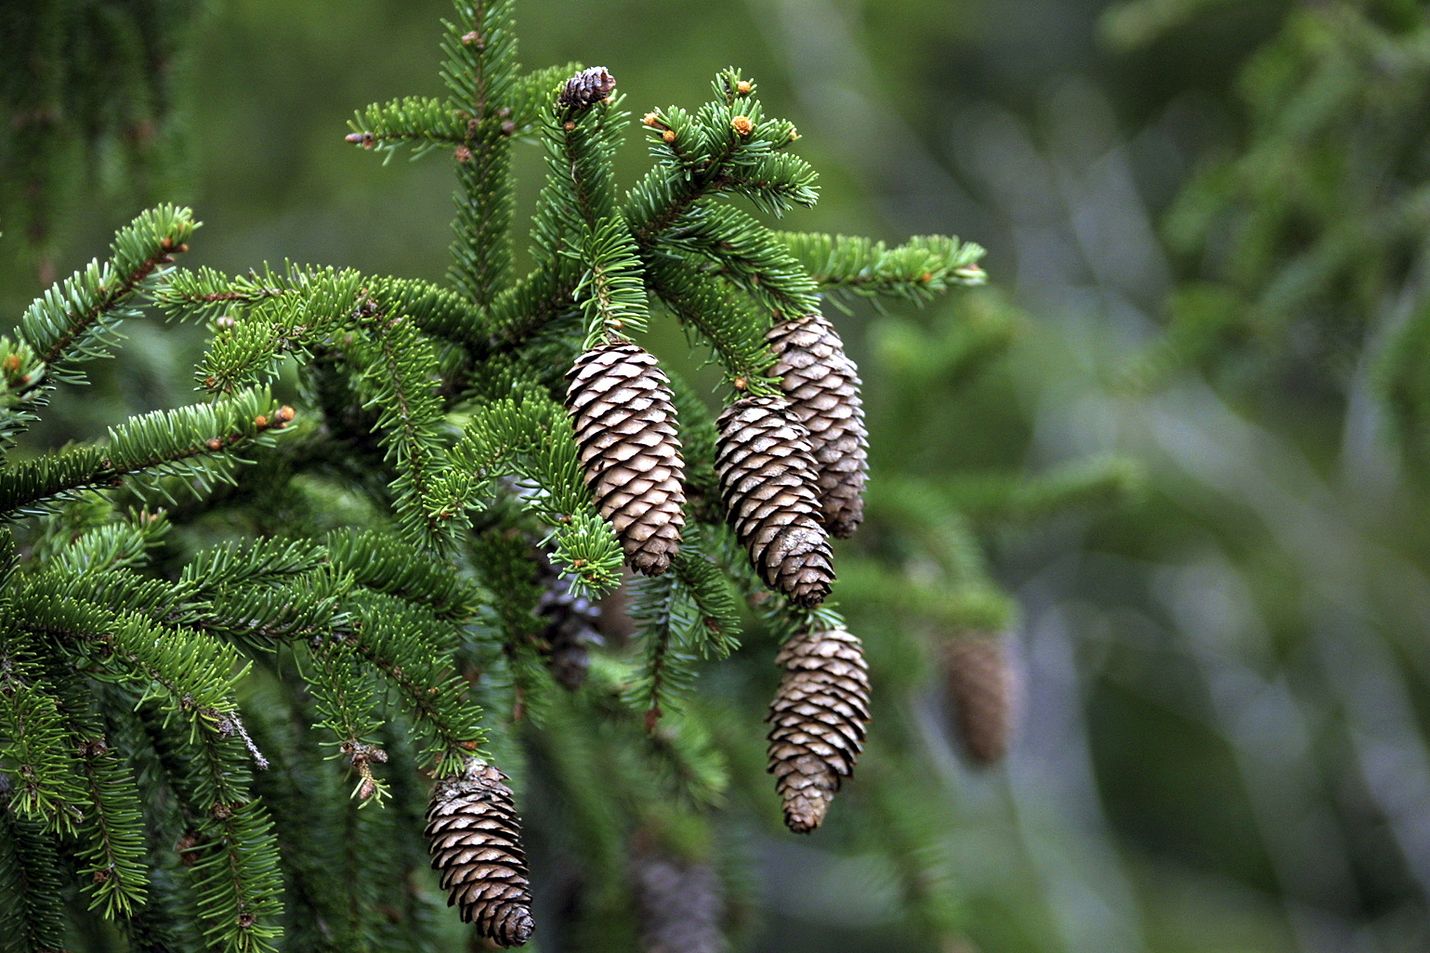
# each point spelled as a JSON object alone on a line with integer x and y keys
{"x": 474, "y": 835}
{"x": 983, "y": 686}
{"x": 571, "y": 622}
{"x": 818, "y": 721}
{"x": 620, "y": 404}
{"x": 822, "y": 385}
{"x": 767, "y": 481}
{"x": 680, "y": 905}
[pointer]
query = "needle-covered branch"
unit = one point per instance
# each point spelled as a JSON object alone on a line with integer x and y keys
{"x": 190, "y": 443}
{"x": 918, "y": 270}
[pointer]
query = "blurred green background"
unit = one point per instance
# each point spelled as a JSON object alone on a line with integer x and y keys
{"x": 1225, "y": 701}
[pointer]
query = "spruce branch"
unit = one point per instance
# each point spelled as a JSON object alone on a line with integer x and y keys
{"x": 919, "y": 270}
{"x": 112, "y": 837}
{"x": 688, "y": 612}
{"x": 391, "y": 637}
{"x": 76, "y": 321}
{"x": 384, "y": 563}
{"x": 31, "y": 891}
{"x": 612, "y": 292}
{"x": 234, "y": 864}
{"x": 36, "y": 754}
{"x": 529, "y": 437}
{"x": 725, "y": 322}
{"x": 747, "y": 254}
{"x": 195, "y": 676}
{"x": 397, "y": 366}
{"x": 480, "y": 74}
{"x": 190, "y": 443}
{"x": 422, "y": 122}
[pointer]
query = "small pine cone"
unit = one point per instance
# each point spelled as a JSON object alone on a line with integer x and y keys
{"x": 588, "y": 87}
{"x": 570, "y": 627}
{"x": 767, "y": 481}
{"x": 818, "y": 721}
{"x": 681, "y": 906}
{"x": 474, "y": 835}
{"x": 983, "y": 687}
{"x": 822, "y": 385}
{"x": 621, "y": 406}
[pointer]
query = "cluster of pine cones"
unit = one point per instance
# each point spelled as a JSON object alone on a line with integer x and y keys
{"x": 791, "y": 470}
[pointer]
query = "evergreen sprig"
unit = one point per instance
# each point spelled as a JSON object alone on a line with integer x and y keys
{"x": 919, "y": 270}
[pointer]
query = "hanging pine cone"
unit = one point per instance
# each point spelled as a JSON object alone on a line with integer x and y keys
{"x": 767, "y": 481}
{"x": 571, "y": 622}
{"x": 822, "y": 385}
{"x": 983, "y": 686}
{"x": 474, "y": 835}
{"x": 680, "y": 905}
{"x": 621, "y": 405}
{"x": 818, "y": 721}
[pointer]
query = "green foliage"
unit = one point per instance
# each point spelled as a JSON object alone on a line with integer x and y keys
{"x": 91, "y": 98}
{"x": 1310, "y": 227}
{"x": 242, "y": 636}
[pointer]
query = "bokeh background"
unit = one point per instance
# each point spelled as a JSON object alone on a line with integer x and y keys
{"x": 1208, "y": 224}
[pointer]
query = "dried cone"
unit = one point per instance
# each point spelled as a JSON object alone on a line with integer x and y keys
{"x": 767, "y": 481}
{"x": 621, "y": 406}
{"x": 475, "y": 838}
{"x": 822, "y": 386}
{"x": 571, "y": 622}
{"x": 681, "y": 905}
{"x": 818, "y": 720}
{"x": 982, "y": 684}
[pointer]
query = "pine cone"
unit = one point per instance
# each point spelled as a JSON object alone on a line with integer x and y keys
{"x": 680, "y": 904}
{"x": 475, "y": 838}
{"x": 818, "y": 719}
{"x": 587, "y": 88}
{"x": 620, "y": 404}
{"x": 767, "y": 481}
{"x": 822, "y": 385}
{"x": 984, "y": 689}
{"x": 570, "y": 627}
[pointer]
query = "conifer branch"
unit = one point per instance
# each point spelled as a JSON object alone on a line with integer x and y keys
{"x": 75, "y": 322}
{"x": 530, "y": 437}
{"x": 35, "y": 752}
{"x": 184, "y": 442}
{"x": 388, "y": 636}
{"x": 396, "y": 381}
{"x": 31, "y": 893}
{"x": 612, "y": 293}
{"x": 480, "y": 73}
{"x": 727, "y": 324}
{"x": 78, "y": 320}
{"x": 113, "y": 833}
{"x": 422, "y": 122}
{"x": 919, "y": 270}
{"x": 747, "y": 254}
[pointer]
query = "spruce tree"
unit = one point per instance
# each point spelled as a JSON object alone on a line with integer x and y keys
{"x": 425, "y": 559}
